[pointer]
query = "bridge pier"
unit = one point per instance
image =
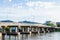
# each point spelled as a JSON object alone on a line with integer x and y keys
{"x": 46, "y": 30}
{"x": 35, "y": 30}
{"x": 25, "y": 29}
{"x": 30, "y": 29}
{"x": 38, "y": 30}
{"x": 43, "y": 30}
{"x": 0, "y": 36}
{"x": 18, "y": 36}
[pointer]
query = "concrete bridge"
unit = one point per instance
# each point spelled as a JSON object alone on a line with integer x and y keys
{"x": 25, "y": 27}
{"x": 15, "y": 28}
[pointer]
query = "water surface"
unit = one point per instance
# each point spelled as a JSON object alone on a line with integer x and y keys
{"x": 42, "y": 36}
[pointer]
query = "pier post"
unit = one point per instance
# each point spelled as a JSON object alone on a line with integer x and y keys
{"x": 43, "y": 30}
{"x": 38, "y": 30}
{"x": 30, "y": 29}
{"x": 0, "y": 36}
{"x": 10, "y": 29}
{"x": 18, "y": 36}
{"x": 47, "y": 29}
{"x": 16, "y": 29}
{"x": 23, "y": 29}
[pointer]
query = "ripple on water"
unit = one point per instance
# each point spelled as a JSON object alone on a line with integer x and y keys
{"x": 42, "y": 36}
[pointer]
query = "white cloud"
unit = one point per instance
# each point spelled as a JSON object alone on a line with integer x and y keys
{"x": 44, "y": 11}
{"x": 40, "y": 4}
{"x": 10, "y": 0}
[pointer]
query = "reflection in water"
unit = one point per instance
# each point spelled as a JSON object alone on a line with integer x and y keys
{"x": 24, "y": 37}
{"x": 42, "y": 36}
{"x": 7, "y": 37}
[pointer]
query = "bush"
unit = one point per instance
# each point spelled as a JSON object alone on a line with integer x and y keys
{"x": 7, "y": 29}
{"x": 57, "y": 30}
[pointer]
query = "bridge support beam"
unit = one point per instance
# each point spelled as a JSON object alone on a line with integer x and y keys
{"x": 38, "y": 30}
{"x": 43, "y": 30}
{"x": 47, "y": 29}
{"x": 18, "y": 37}
{"x": 0, "y": 36}
{"x": 28, "y": 29}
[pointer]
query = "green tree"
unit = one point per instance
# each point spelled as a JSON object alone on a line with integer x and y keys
{"x": 7, "y": 29}
{"x": 50, "y": 23}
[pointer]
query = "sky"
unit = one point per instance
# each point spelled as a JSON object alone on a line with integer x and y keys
{"x": 30, "y": 10}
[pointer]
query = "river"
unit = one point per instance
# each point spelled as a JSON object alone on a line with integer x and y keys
{"x": 41, "y": 36}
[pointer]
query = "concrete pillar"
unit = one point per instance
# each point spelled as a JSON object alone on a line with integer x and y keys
{"x": 28, "y": 29}
{"x": 19, "y": 27}
{"x": 18, "y": 37}
{"x": 10, "y": 29}
{"x": 0, "y": 36}
{"x": 43, "y": 30}
{"x": 47, "y": 29}
{"x": 2, "y": 30}
{"x": 16, "y": 29}
{"x": 38, "y": 30}
{"x": 32, "y": 29}
{"x": 23, "y": 29}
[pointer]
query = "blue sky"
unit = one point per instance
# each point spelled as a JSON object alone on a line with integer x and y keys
{"x": 31, "y": 10}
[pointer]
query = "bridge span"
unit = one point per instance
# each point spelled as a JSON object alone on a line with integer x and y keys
{"x": 14, "y": 28}
{"x": 25, "y": 27}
